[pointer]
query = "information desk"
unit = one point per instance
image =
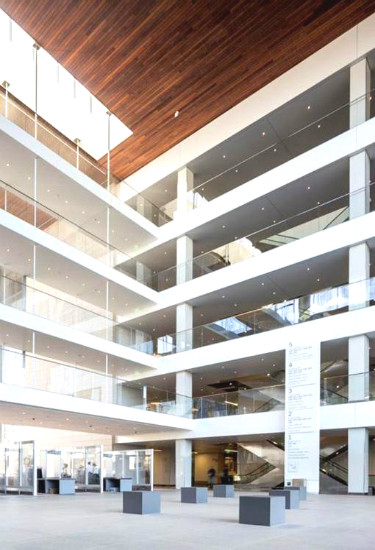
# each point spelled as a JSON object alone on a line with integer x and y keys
{"x": 117, "y": 484}
{"x": 57, "y": 486}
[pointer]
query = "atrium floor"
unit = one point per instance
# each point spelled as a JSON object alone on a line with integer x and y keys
{"x": 95, "y": 522}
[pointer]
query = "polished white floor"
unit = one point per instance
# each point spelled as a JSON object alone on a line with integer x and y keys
{"x": 94, "y": 521}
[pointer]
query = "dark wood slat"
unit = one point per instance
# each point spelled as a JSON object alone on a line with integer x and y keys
{"x": 145, "y": 59}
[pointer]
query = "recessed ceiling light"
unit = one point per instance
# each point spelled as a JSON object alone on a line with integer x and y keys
{"x": 318, "y": 280}
{"x": 309, "y": 107}
{"x": 318, "y": 125}
{"x": 262, "y": 284}
{"x": 235, "y": 305}
{"x": 236, "y": 171}
{"x": 223, "y": 296}
{"x": 224, "y": 156}
{"x": 275, "y": 150}
{"x": 176, "y": 113}
{"x": 262, "y": 207}
{"x": 308, "y": 269}
{"x": 48, "y": 268}
{"x": 263, "y": 133}
{"x": 66, "y": 202}
{"x": 7, "y": 163}
{"x": 83, "y": 212}
{"x": 223, "y": 226}
{"x": 8, "y": 249}
{"x": 309, "y": 187}
{"x": 28, "y": 177}
{"x": 48, "y": 190}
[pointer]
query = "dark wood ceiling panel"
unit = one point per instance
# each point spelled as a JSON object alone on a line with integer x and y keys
{"x": 146, "y": 59}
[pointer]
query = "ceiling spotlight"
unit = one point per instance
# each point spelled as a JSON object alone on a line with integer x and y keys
{"x": 309, "y": 107}
{"x": 263, "y": 133}
{"x": 224, "y": 156}
{"x": 176, "y": 114}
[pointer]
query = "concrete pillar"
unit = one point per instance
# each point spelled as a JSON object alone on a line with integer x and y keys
{"x": 360, "y": 87}
{"x": 185, "y": 184}
{"x": 359, "y": 366}
{"x": 142, "y": 272}
{"x": 358, "y": 463}
{"x": 184, "y": 326}
{"x": 183, "y": 463}
{"x": 359, "y": 271}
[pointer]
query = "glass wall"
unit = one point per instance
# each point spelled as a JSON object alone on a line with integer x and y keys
{"x": 137, "y": 464}
{"x": 18, "y": 468}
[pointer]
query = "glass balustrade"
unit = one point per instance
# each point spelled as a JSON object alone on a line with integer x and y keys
{"x": 324, "y": 303}
{"x": 271, "y": 236}
{"x": 26, "y": 370}
{"x": 25, "y": 118}
{"x": 27, "y": 209}
{"x": 24, "y": 297}
{"x": 277, "y": 152}
{"x": 269, "y": 155}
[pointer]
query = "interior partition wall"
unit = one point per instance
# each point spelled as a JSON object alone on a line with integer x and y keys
{"x": 83, "y": 464}
{"x": 18, "y": 468}
{"x": 136, "y": 464}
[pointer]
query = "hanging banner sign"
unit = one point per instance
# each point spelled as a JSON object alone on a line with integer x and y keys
{"x": 302, "y": 413}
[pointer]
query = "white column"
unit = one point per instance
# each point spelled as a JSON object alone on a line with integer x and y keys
{"x": 184, "y": 326}
{"x": 359, "y": 270}
{"x": 183, "y": 463}
{"x": 359, "y": 365}
{"x": 358, "y": 464}
{"x": 142, "y": 272}
{"x": 360, "y": 87}
{"x": 185, "y": 183}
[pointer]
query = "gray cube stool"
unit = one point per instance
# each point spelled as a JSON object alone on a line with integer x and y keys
{"x": 291, "y": 497}
{"x": 141, "y": 502}
{"x": 302, "y": 491}
{"x": 259, "y": 510}
{"x": 194, "y": 495}
{"x": 224, "y": 491}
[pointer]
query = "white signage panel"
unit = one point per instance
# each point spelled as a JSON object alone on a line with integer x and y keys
{"x": 302, "y": 408}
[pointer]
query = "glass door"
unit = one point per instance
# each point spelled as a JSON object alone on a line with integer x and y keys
{"x": 27, "y": 467}
{"x": 12, "y": 469}
{"x": 93, "y": 468}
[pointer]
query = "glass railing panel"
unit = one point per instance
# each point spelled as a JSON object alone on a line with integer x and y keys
{"x": 274, "y": 154}
{"x": 331, "y": 301}
{"x": 29, "y": 371}
{"x": 35, "y": 213}
{"x": 271, "y": 236}
{"x": 26, "y": 119}
{"x": 31, "y": 300}
{"x": 341, "y": 389}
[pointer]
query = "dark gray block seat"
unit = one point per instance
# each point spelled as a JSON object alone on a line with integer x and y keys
{"x": 194, "y": 495}
{"x": 224, "y": 491}
{"x": 141, "y": 502}
{"x": 262, "y": 510}
{"x": 291, "y": 497}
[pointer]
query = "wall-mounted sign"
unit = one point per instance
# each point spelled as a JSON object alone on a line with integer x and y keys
{"x": 302, "y": 408}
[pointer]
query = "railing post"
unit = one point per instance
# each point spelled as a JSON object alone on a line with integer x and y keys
{"x": 109, "y": 150}
{"x": 6, "y": 86}
{"x": 77, "y": 141}
{"x": 36, "y": 48}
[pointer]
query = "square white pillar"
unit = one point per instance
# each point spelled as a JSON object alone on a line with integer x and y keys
{"x": 183, "y": 463}
{"x": 358, "y": 462}
{"x": 185, "y": 184}
{"x": 184, "y": 260}
{"x": 360, "y": 86}
{"x": 359, "y": 365}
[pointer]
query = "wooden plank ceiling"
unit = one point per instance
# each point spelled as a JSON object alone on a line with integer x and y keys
{"x": 146, "y": 59}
